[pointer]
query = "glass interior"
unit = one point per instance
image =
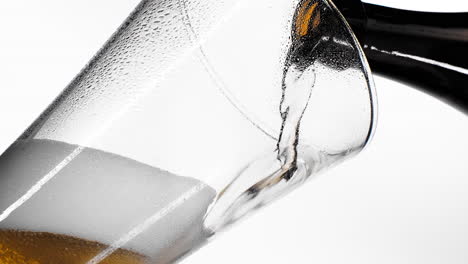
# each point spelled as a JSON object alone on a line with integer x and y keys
{"x": 194, "y": 114}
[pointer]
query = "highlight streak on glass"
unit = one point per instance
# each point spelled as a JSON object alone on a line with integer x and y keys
{"x": 421, "y": 59}
{"x": 50, "y": 175}
{"x": 232, "y": 99}
{"x": 38, "y": 185}
{"x": 147, "y": 223}
{"x": 220, "y": 84}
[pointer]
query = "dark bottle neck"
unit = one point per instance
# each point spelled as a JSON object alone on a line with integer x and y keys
{"x": 424, "y": 49}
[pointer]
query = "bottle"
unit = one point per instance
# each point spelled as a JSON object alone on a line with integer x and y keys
{"x": 427, "y": 50}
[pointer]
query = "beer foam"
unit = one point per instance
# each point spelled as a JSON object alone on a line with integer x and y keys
{"x": 104, "y": 197}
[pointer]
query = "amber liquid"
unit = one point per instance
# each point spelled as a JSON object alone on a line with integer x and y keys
{"x": 22, "y": 247}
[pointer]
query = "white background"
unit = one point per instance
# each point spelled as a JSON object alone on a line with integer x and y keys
{"x": 403, "y": 200}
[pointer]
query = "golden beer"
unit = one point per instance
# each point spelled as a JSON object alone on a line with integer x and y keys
{"x": 22, "y": 247}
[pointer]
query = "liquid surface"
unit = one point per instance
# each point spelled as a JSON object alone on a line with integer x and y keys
{"x": 101, "y": 197}
{"x": 18, "y": 247}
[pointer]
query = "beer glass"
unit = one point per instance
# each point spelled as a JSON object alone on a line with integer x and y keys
{"x": 194, "y": 114}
